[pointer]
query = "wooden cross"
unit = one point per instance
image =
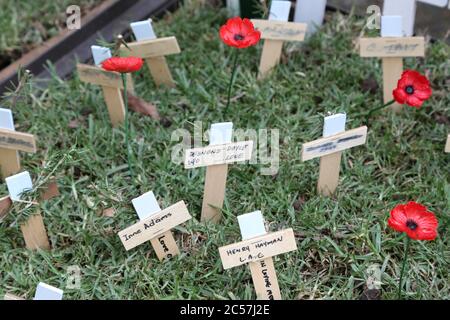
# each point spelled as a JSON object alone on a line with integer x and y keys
{"x": 33, "y": 230}
{"x": 329, "y": 149}
{"x": 310, "y": 12}
{"x": 275, "y": 31}
{"x": 257, "y": 249}
{"x": 43, "y": 292}
{"x": 392, "y": 47}
{"x": 447, "y": 145}
{"x": 216, "y": 158}
{"x": 407, "y": 9}
{"x": 153, "y": 51}
{"x": 155, "y": 225}
{"x": 11, "y": 142}
{"x": 111, "y": 83}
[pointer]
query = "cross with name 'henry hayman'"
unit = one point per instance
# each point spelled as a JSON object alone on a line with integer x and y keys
{"x": 216, "y": 157}
{"x": 111, "y": 83}
{"x": 392, "y": 47}
{"x": 11, "y": 142}
{"x": 154, "y": 51}
{"x": 275, "y": 31}
{"x": 257, "y": 249}
{"x": 43, "y": 292}
{"x": 155, "y": 225}
{"x": 329, "y": 149}
{"x": 33, "y": 230}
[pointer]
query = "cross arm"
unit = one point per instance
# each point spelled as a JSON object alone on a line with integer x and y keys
{"x": 280, "y": 30}
{"x": 152, "y": 48}
{"x": 17, "y": 141}
{"x": 98, "y": 76}
{"x": 384, "y": 47}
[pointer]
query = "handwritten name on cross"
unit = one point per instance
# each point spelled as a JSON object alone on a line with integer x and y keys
{"x": 111, "y": 83}
{"x": 275, "y": 32}
{"x": 329, "y": 149}
{"x": 155, "y": 225}
{"x": 11, "y": 142}
{"x": 153, "y": 51}
{"x": 257, "y": 249}
{"x": 216, "y": 158}
{"x": 392, "y": 47}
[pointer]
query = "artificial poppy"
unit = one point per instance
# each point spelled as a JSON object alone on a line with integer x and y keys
{"x": 123, "y": 64}
{"x": 415, "y": 220}
{"x": 412, "y": 89}
{"x": 239, "y": 33}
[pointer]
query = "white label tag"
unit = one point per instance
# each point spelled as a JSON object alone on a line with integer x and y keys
{"x": 146, "y": 205}
{"x": 279, "y": 10}
{"x": 334, "y": 124}
{"x": 47, "y": 292}
{"x": 18, "y": 183}
{"x": 391, "y": 26}
{"x": 221, "y": 133}
{"x": 100, "y": 54}
{"x": 251, "y": 225}
{"x": 143, "y": 30}
{"x": 6, "y": 119}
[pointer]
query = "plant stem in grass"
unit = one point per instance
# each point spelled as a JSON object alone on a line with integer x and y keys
{"x": 233, "y": 73}
{"x": 378, "y": 108}
{"x": 127, "y": 125}
{"x": 405, "y": 258}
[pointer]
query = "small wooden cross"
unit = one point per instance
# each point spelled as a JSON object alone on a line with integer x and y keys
{"x": 447, "y": 145}
{"x": 310, "y": 12}
{"x": 43, "y": 292}
{"x": 155, "y": 225}
{"x": 33, "y": 230}
{"x": 111, "y": 83}
{"x": 257, "y": 249}
{"x": 329, "y": 149}
{"x": 392, "y": 47}
{"x": 216, "y": 158}
{"x": 407, "y": 9}
{"x": 11, "y": 142}
{"x": 153, "y": 50}
{"x": 275, "y": 31}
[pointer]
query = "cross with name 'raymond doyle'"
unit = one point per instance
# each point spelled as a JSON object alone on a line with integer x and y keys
{"x": 155, "y": 225}
{"x": 11, "y": 142}
{"x": 392, "y": 47}
{"x": 275, "y": 31}
{"x": 257, "y": 250}
{"x": 329, "y": 149}
{"x": 216, "y": 157}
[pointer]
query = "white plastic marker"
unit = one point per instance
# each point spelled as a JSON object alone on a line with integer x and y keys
{"x": 257, "y": 249}
{"x": 234, "y": 7}
{"x": 329, "y": 149}
{"x": 164, "y": 245}
{"x": 11, "y": 142}
{"x": 407, "y": 10}
{"x": 310, "y": 12}
{"x": 216, "y": 158}
{"x": 155, "y": 225}
{"x": 47, "y": 292}
{"x": 275, "y": 31}
{"x": 33, "y": 229}
{"x": 153, "y": 50}
{"x": 111, "y": 83}
{"x": 392, "y": 47}
{"x": 447, "y": 145}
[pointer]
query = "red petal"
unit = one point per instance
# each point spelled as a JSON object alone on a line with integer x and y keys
{"x": 234, "y": 25}
{"x": 424, "y": 94}
{"x": 413, "y": 101}
{"x": 397, "y": 220}
{"x": 400, "y": 95}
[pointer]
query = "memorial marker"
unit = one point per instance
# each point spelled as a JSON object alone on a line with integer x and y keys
{"x": 111, "y": 83}
{"x": 11, "y": 142}
{"x": 257, "y": 249}
{"x": 155, "y": 225}
{"x": 275, "y": 31}
{"x": 329, "y": 149}
{"x": 216, "y": 158}
{"x": 392, "y": 47}
{"x": 407, "y": 10}
{"x": 153, "y": 50}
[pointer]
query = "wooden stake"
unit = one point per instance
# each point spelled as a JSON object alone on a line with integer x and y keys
{"x": 329, "y": 173}
{"x": 265, "y": 280}
{"x": 447, "y": 145}
{"x": 392, "y": 72}
{"x": 160, "y": 71}
{"x": 270, "y": 57}
{"x": 9, "y": 162}
{"x": 115, "y": 104}
{"x": 214, "y": 194}
{"x": 165, "y": 246}
{"x": 5, "y": 206}
{"x": 35, "y": 234}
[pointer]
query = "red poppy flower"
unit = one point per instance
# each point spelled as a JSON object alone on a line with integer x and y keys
{"x": 123, "y": 64}
{"x": 412, "y": 89}
{"x": 415, "y": 220}
{"x": 239, "y": 33}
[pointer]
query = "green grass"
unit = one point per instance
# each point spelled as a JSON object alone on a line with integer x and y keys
{"x": 338, "y": 238}
{"x": 26, "y": 24}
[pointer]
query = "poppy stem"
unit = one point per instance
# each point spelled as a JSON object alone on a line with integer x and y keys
{"x": 127, "y": 129}
{"x": 405, "y": 259}
{"x": 233, "y": 74}
{"x": 379, "y": 108}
